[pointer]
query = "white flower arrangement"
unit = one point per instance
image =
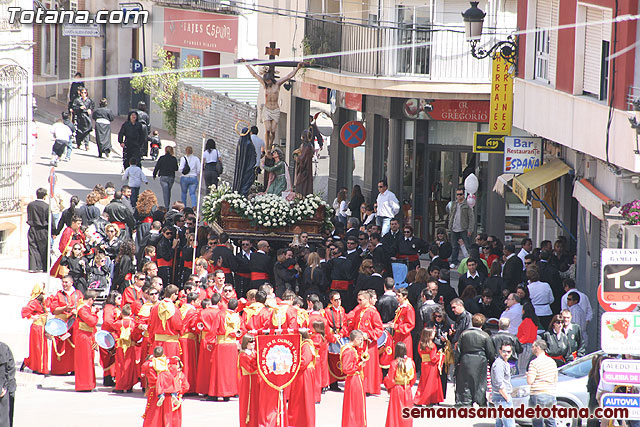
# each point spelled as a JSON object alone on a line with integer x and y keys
{"x": 266, "y": 210}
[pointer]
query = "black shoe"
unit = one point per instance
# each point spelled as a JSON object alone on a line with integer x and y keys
{"x": 108, "y": 381}
{"x": 119, "y": 391}
{"x": 225, "y": 399}
{"x": 211, "y": 399}
{"x": 130, "y": 390}
{"x": 334, "y": 387}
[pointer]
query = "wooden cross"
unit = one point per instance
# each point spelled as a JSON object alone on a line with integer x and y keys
{"x": 272, "y": 51}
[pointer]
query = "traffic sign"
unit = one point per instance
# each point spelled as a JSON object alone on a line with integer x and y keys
{"x": 487, "y": 143}
{"x": 353, "y": 134}
{"x": 620, "y": 372}
{"x": 136, "y": 66}
{"x": 620, "y": 333}
{"x": 614, "y": 306}
{"x": 619, "y": 400}
{"x": 620, "y": 275}
{"x": 52, "y": 181}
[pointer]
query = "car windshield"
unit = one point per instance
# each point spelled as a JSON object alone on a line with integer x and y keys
{"x": 578, "y": 369}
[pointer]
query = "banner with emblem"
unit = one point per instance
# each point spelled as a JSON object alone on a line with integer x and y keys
{"x": 278, "y": 359}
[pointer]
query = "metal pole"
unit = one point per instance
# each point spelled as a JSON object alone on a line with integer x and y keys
{"x": 198, "y": 205}
{"x": 51, "y": 191}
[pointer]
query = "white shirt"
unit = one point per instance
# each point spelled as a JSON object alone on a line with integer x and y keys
{"x": 258, "y": 143}
{"x": 514, "y": 314}
{"x": 61, "y": 131}
{"x": 194, "y": 164}
{"x": 521, "y": 255}
{"x": 134, "y": 176}
{"x": 342, "y": 210}
{"x": 388, "y": 205}
{"x": 210, "y": 157}
{"x": 469, "y": 276}
{"x": 584, "y": 304}
{"x": 579, "y": 317}
{"x": 541, "y": 297}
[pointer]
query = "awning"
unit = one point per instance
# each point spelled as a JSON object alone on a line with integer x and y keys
{"x": 501, "y": 181}
{"x": 537, "y": 177}
{"x": 590, "y": 198}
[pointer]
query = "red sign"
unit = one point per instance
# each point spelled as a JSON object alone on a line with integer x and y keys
{"x": 614, "y": 306}
{"x": 200, "y": 30}
{"x": 451, "y": 110}
{"x": 278, "y": 359}
{"x": 314, "y": 93}
{"x": 353, "y": 134}
{"x": 350, "y": 101}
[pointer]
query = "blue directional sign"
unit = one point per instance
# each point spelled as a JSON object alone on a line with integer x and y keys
{"x": 619, "y": 400}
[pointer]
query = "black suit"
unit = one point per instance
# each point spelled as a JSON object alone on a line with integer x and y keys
{"x": 550, "y": 274}
{"x": 355, "y": 259}
{"x": 352, "y": 232}
{"x": 390, "y": 242}
{"x": 229, "y": 261}
{"x": 379, "y": 255}
{"x": 260, "y": 263}
{"x": 37, "y": 236}
{"x": 340, "y": 270}
{"x": 374, "y": 282}
{"x": 512, "y": 272}
{"x": 439, "y": 262}
{"x": 119, "y": 212}
{"x": 387, "y": 305}
{"x": 476, "y": 350}
{"x": 465, "y": 281}
{"x": 447, "y": 294}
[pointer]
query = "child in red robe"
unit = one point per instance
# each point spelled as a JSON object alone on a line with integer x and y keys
{"x": 430, "y": 388}
{"x": 84, "y": 355}
{"x": 126, "y": 336}
{"x": 354, "y": 411}
{"x": 249, "y": 392}
{"x": 38, "y": 360}
{"x": 399, "y": 379}
{"x": 302, "y": 408}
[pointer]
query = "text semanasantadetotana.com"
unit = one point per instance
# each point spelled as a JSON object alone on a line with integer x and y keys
{"x": 518, "y": 412}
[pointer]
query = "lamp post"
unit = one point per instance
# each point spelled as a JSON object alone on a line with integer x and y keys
{"x": 473, "y": 22}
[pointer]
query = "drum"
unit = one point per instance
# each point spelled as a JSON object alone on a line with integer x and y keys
{"x": 383, "y": 339}
{"x": 334, "y": 347}
{"x": 70, "y": 322}
{"x": 55, "y": 327}
{"x": 105, "y": 340}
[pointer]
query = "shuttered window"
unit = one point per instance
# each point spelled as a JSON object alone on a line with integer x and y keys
{"x": 595, "y": 72}
{"x": 546, "y": 40}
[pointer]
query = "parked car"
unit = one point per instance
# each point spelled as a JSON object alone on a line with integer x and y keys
{"x": 571, "y": 390}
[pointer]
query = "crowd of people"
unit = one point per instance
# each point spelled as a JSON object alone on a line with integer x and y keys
{"x": 191, "y": 301}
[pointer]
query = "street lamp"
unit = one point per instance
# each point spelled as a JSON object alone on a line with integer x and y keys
{"x": 473, "y": 21}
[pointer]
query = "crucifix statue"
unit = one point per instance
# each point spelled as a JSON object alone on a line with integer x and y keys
{"x": 270, "y": 114}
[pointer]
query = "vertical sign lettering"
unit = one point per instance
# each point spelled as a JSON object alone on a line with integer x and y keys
{"x": 501, "y": 110}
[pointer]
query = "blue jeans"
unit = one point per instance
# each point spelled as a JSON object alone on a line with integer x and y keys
{"x": 189, "y": 184}
{"x": 455, "y": 236}
{"x": 384, "y": 223}
{"x": 545, "y": 401}
{"x": 135, "y": 191}
{"x": 498, "y": 400}
{"x": 69, "y": 148}
{"x": 166, "y": 182}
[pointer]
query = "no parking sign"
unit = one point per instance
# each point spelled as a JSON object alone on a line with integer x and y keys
{"x": 353, "y": 134}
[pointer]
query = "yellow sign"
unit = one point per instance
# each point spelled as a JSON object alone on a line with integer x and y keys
{"x": 487, "y": 143}
{"x": 501, "y": 109}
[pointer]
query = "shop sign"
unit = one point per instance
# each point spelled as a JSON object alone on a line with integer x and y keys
{"x": 205, "y": 31}
{"x": 620, "y": 333}
{"x": 620, "y": 272}
{"x": 522, "y": 153}
{"x": 314, "y": 93}
{"x": 81, "y": 30}
{"x": 620, "y": 372}
{"x": 614, "y": 306}
{"x": 350, "y": 101}
{"x": 487, "y": 143}
{"x": 501, "y": 110}
{"x": 451, "y": 110}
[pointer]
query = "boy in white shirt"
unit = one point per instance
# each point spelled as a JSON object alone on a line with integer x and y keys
{"x": 135, "y": 177}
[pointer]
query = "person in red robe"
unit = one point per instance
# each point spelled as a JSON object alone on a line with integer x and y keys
{"x": 70, "y": 236}
{"x": 126, "y": 335}
{"x": 110, "y": 314}
{"x": 319, "y": 330}
{"x": 367, "y": 320}
{"x": 62, "y": 306}
{"x": 225, "y": 353}
{"x": 142, "y": 319}
{"x": 189, "y": 340}
{"x": 399, "y": 379}
{"x": 249, "y": 392}
{"x": 354, "y": 409}
{"x": 336, "y": 320}
{"x": 38, "y": 360}
{"x": 404, "y": 320}
{"x": 168, "y": 414}
{"x": 165, "y": 323}
{"x": 208, "y": 326}
{"x": 85, "y": 329}
{"x": 302, "y": 408}
{"x": 430, "y": 387}
{"x": 133, "y": 294}
{"x": 253, "y": 306}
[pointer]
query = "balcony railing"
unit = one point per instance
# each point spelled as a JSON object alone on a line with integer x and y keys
{"x": 431, "y": 52}
{"x": 226, "y": 6}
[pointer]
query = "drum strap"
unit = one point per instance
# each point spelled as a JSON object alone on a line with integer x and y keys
{"x": 333, "y": 318}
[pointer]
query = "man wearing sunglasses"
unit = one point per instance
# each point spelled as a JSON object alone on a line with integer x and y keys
{"x": 165, "y": 254}
{"x": 410, "y": 247}
{"x": 462, "y": 224}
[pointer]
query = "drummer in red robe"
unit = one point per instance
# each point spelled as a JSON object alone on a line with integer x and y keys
{"x": 208, "y": 327}
{"x": 126, "y": 335}
{"x": 404, "y": 321}
{"x": 302, "y": 408}
{"x": 85, "y": 329}
{"x": 62, "y": 305}
{"x": 398, "y": 382}
{"x": 189, "y": 340}
{"x": 165, "y": 323}
{"x": 354, "y": 410}
{"x": 38, "y": 360}
{"x": 367, "y": 320}
{"x": 336, "y": 320}
{"x": 249, "y": 391}
{"x": 110, "y": 313}
{"x": 225, "y": 354}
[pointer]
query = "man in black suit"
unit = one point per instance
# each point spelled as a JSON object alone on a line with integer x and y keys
{"x": 260, "y": 266}
{"x": 445, "y": 294}
{"x": 375, "y": 281}
{"x": 410, "y": 247}
{"x": 243, "y": 274}
{"x": 436, "y": 260}
{"x": 512, "y": 270}
{"x": 340, "y": 271}
{"x": 379, "y": 254}
{"x": 390, "y": 240}
{"x": 353, "y": 225}
{"x": 487, "y": 305}
{"x": 503, "y": 336}
{"x": 353, "y": 255}
{"x": 387, "y": 303}
{"x": 37, "y": 236}
{"x": 224, "y": 258}
{"x": 471, "y": 277}
{"x": 550, "y": 274}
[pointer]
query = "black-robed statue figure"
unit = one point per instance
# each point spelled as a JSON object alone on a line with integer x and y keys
{"x": 245, "y": 164}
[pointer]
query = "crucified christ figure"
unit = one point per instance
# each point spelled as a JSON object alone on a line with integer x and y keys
{"x": 271, "y": 109}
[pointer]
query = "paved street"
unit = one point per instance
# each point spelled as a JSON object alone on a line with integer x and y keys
{"x": 40, "y": 397}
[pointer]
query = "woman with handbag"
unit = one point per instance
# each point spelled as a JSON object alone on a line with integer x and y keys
{"x": 190, "y": 168}
{"x": 212, "y": 162}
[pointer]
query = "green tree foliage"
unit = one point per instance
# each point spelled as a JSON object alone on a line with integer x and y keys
{"x": 162, "y": 84}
